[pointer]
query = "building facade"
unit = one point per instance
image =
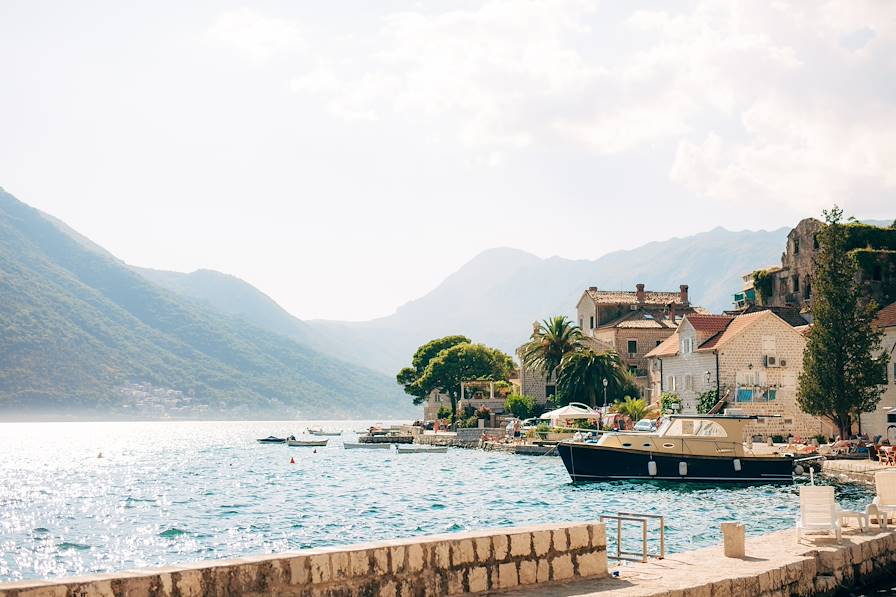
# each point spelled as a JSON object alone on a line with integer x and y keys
{"x": 883, "y": 420}
{"x": 753, "y": 361}
{"x": 633, "y": 323}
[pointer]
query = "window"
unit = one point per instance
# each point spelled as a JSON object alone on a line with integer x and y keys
{"x": 796, "y": 283}
{"x": 807, "y": 290}
{"x": 658, "y": 342}
{"x": 815, "y": 241}
{"x": 672, "y": 387}
{"x": 633, "y": 369}
{"x": 744, "y": 395}
{"x": 581, "y": 321}
{"x": 550, "y": 390}
{"x": 591, "y": 322}
{"x": 796, "y": 246}
{"x": 883, "y": 375}
{"x": 688, "y": 382}
{"x": 632, "y": 346}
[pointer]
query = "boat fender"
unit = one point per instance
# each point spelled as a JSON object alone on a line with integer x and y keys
{"x": 798, "y": 469}
{"x": 292, "y": 460}
{"x": 683, "y": 468}
{"x": 651, "y": 468}
{"x": 737, "y": 464}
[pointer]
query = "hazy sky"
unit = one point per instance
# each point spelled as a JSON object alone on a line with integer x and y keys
{"x": 344, "y": 157}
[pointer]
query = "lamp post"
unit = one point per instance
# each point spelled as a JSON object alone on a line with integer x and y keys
{"x": 707, "y": 377}
{"x": 605, "y": 382}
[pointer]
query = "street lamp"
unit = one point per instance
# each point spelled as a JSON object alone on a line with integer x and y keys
{"x": 707, "y": 377}
{"x": 605, "y": 393}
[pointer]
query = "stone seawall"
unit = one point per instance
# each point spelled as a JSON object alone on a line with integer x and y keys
{"x": 449, "y": 564}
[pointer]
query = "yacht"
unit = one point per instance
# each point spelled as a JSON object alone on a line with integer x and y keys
{"x": 704, "y": 448}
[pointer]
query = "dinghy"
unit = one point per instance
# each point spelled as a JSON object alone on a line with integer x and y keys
{"x": 307, "y": 443}
{"x": 421, "y": 449}
{"x": 272, "y": 440}
{"x": 357, "y": 446}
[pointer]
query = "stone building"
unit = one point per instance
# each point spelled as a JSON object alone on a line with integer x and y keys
{"x": 633, "y": 323}
{"x": 752, "y": 360}
{"x": 532, "y": 381}
{"x": 790, "y": 284}
{"x": 883, "y": 420}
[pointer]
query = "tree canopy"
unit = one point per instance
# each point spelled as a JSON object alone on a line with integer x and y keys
{"x": 581, "y": 375}
{"x": 840, "y": 373}
{"x": 551, "y": 340}
{"x": 409, "y": 376}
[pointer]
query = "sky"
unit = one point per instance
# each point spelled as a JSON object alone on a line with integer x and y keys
{"x": 344, "y": 157}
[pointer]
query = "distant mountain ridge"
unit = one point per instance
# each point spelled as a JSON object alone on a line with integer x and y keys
{"x": 84, "y": 333}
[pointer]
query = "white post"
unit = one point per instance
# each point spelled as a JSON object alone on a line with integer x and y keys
{"x": 491, "y": 387}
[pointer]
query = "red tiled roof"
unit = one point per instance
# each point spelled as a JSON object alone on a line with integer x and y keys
{"x": 736, "y": 326}
{"x": 886, "y": 317}
{"x": 709, "y": 324}
{"x": 667, "y": 348}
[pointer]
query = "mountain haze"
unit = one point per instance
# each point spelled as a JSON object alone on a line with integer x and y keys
{"x": 80, "y": 330}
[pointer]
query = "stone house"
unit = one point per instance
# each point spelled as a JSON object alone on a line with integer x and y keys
{"x": 752, "y": 360}
{"x": 883, "y": 420}
{"x": 632, "y": 322}
{"x": 532, "y": 382}
{"x": 790, "y": 284}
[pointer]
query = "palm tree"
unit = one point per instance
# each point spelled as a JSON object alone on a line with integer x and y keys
{"x": 551, "y": 340}
{"x": 581, "y": 374}
{"x": 633, "y": 408}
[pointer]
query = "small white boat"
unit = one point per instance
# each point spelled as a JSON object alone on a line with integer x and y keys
{"x": 307, "y": 443}
{"x": 421, "y": 449}
{"x": 357, "y": 446}
{"x": 322, "y": 432}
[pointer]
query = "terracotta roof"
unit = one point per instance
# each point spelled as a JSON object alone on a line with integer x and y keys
{"x": 640, "y": 319}
{"x": 886, "y": 317}
{"x": 667, "y": 348}
{"x": 631, "y": 297}
{"x": 789, "y": 314}
{"x": 708, "y": 325}
{"x": 737, "y": 325}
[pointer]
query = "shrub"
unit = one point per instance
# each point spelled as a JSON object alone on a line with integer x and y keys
{"x": 522, "y": 407}
{"x": 444, "y": 412}
{"x": 668, "y": 400}
{"x": 706, "y": 401}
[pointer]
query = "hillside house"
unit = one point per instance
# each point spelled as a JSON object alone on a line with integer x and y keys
{"x": 883, "y": 420}
{"x": 633, "y": 323}
{"x": 751, "y": 360}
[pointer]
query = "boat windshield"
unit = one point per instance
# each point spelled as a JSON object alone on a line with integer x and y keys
{"x": 693, "y": 428}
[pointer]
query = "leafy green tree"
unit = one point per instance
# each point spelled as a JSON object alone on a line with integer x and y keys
{"x": 633, "y": 408}
{"x": 706, "y": 401}
{"x": 409, "y": 376}
{"x": 550, "y": 341}
{"x": 521, "y": 407}
{"x": 669, "y": 402}
{"x": 840, "y": 374}
{"x": 581, "y": 374}
{"x": 462, "y": 362}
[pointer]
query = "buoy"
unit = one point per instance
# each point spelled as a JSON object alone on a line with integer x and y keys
{"x": 100, "y": 455}
{"x": 292, "y": 460}
{"x": 798, "y": 469}
{"x": 737, "y": 464}
{"x": 314, "y": 451}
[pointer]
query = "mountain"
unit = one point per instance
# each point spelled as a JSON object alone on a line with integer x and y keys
{"x": 496, "y": 296}
{"x": 83, "y": 334}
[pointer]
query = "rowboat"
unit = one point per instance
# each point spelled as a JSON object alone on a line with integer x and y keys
{"x": 272, "y": 440}
{"x": 356, "y": 446}
{"x": 307, "y": 443}
{"x": 421, "y": 449}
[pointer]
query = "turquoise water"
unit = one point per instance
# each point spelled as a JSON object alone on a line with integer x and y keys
{"x": 167, "y": 493}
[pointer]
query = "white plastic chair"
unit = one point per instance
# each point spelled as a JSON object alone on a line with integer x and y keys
{"x": 885, "y": 485}
{"x": 818, "y": 511}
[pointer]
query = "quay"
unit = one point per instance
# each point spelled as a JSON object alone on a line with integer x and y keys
{"x": 857, "y": 471}
{"x": 556, "y": 560}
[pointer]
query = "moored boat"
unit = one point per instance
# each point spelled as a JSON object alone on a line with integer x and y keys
{"x": 322, "y": 432}
{"x": 359, "y": 446}
{"x": 416, "y": 449}
{"x": 271, "y": 440}
{"x": 704, "y": 448}
{"x": 307, "y": 443}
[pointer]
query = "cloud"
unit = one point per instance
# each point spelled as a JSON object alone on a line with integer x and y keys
{"x": 253, "y": 36}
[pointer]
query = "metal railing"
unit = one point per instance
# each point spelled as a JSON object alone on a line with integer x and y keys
{"x": 643, "y": 519}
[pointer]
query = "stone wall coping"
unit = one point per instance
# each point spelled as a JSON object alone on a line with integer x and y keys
{"x": 423, "y": 540}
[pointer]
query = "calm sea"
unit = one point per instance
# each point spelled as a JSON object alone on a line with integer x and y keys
{"x": 167, "y": 493}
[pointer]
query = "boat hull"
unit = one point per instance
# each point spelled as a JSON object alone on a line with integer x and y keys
{"x": 354, "y": 446}
{"x": 591, "y": 462}
{"x": 293, "y": 443}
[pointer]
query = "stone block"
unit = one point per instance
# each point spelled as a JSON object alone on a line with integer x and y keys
{"x": 825, "y": 584}
{"x": 528, "y": 572}
{"x": 360, "y": 563}
{"x": 541, "y": 540}
{"x": 299, "y": 570}
{"x": 592, "y": 564}
{"x": 455, "y": 582}
{"x": 188, "y": 583}
{"x": 500, "y": 545}
{"x": 700, "y": 591}
{"x": 543, "y": 571}
{"x": 399, "y": 555}
{"x": 507, "y": 575}
{"x": 483, "y": 549}
{"x": 320, "y": 569}
{"x": 98, "y": 589}
{"x": 559, "y": 541}
{"x": 462, "y": 552}
{"x": 50, "y": 591}
{"x": 721, "y": 588}
{"x": 477, "y": 578}
{"x": 561, "y": 567}
{"x": 340, "y": 566}
{"x": 441, "y": 555}
{"x": 521, "y": 545}
{"x": 388, "y": 589}
{"x": 599, "y": 535}
{"x": 415, "y": 559}
{"x": 381, "y": 561}
{"x": 578, "y": 537}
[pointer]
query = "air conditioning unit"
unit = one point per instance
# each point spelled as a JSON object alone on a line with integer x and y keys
{"x": 771, "y": 361}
